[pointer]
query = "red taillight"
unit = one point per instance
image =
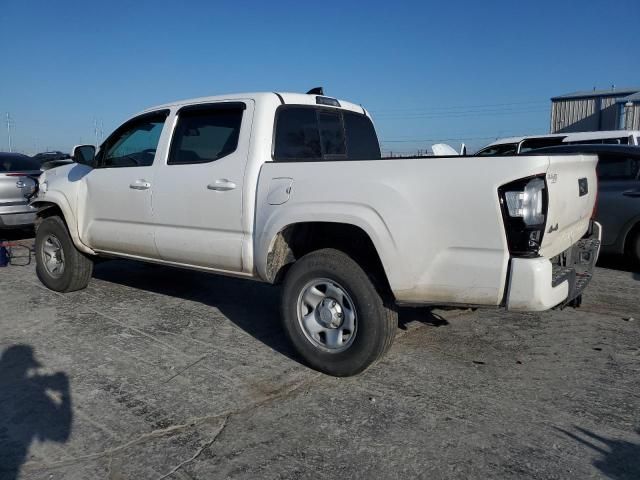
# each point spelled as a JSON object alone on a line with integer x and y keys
{"x": 22, "y": 174}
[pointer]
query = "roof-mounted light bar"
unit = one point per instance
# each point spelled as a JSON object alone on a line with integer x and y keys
{"x": 321, "y": 99}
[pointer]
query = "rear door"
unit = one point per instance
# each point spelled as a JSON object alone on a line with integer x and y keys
{"x": 198, "y": 192}
{"x": 116, "y": 211}
{"x": 619, "y": 194}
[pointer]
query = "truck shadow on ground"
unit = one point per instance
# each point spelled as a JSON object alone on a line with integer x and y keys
{"x": 32, "y": 407}
{"x": 252, "y": 306}
{"x": 619, "y": 262}
{"x": 620, "y": 460}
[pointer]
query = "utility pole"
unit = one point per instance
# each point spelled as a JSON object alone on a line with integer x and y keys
{"x": 9, "y": 132}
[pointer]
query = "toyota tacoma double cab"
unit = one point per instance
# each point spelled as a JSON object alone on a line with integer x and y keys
{"x": 291, "y": 189}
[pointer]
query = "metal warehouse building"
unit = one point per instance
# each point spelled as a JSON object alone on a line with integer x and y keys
{"x": 588, "y": 111}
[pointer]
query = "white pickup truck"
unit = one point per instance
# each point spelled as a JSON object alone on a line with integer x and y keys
{"x": 291, "y": 188}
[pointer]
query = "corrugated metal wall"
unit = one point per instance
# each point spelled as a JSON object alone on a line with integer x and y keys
{"x": 568, "y": 114}
{"x": 609, "y": 114}
{"x": 584, "y": 115}
{"x": 632, "y": 117}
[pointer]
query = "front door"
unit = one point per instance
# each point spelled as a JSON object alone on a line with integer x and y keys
{"x": 116, "y": 212}
{"x": 618, "y": 194}
{"x": 198, "y": 193}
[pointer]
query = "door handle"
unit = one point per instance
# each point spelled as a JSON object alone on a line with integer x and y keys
{"x": 632, "y": 193}
{"x": 140, "y": 185}
{"x": 222, "y": 185}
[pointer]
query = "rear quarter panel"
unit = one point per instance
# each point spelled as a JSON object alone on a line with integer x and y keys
{"x": 435, "y": 222}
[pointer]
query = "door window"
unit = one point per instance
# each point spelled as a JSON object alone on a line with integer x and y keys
{"x": 206, "y": 133}
{"x": 134, "y": 144}
{"x": 618, "y": 167}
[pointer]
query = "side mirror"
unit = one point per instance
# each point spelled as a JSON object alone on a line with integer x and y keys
{"x": 84, "y": 154}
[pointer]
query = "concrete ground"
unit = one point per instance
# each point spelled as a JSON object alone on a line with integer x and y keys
{"x": 159, "y": 373}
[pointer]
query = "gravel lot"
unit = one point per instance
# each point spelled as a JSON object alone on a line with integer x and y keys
{"x": 183, "y": 375}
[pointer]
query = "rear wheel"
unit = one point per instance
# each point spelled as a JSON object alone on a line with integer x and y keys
{"x": 60, "y": 266}
{"x": 634, "y": 248}
{"x": 333, "y": 314}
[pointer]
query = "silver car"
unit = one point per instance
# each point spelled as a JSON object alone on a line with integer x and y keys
{"x": 18, "y": 178}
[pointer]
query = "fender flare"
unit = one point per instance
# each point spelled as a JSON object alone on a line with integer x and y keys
{"x": 358, "y": 215}
{"x": 56, "y": 200}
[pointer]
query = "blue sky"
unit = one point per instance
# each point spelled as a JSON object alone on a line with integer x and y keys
{"x": 428, "y": 71}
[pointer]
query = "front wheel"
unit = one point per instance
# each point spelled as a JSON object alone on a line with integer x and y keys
{"x": 333, "y": 314}
{"x": 60, "y": 266}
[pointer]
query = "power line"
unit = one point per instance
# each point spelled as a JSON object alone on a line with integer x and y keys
{"x": 457, "y": 107}
{"x": 9, "y": 132}
{"x": 469, "y": 113}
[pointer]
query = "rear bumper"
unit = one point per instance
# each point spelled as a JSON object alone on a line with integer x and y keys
{"x": 537, "y": 284}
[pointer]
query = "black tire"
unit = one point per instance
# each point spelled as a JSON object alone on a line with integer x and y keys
{"x": 77, "y": 266}
{"x": 376, "y": 320}
{"x": 633, "y": 248}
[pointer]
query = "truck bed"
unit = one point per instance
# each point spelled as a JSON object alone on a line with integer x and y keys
{"x": 436, "y": 222}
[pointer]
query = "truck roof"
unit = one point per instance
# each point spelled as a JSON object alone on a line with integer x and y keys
{"x": 286, "y": 97}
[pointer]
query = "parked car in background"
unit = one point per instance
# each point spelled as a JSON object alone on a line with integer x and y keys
{"x": 18, "y": 178}
{"x": 48, "y": 156}
{"x": 49, "y": 160}
{"x": 618, "y": 205}
{"x": 518, "y": 145}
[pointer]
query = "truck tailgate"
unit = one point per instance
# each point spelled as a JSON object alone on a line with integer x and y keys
{"x": 573, "y": 185}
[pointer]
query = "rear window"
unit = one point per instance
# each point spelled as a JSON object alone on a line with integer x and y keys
{"x": 362, "y": 141}
{"x": 206, "y": 134}
{"x": 17, "y": 163}
{"x": 315, "y": 134}
{"x": 332, "y": 141}
{"x": 618, "y": 167}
